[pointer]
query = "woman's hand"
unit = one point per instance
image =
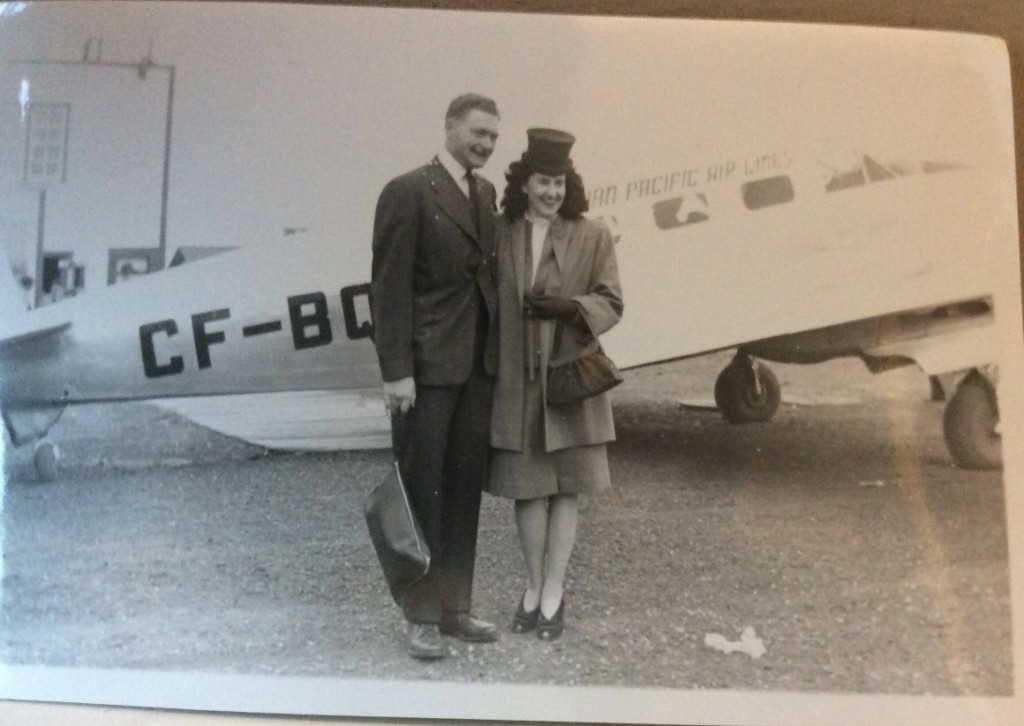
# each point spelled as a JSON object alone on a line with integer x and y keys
{"x": 552, "y": 307}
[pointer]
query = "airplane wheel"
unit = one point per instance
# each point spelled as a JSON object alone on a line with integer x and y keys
{"x": 970, "y": 424}
{"x": 747, "y": 391}
{"x": 46, "y": 457}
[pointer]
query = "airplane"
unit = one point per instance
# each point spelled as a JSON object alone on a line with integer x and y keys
{"x": 856, "y": 266}
{"x": 863, "y": 240}
{"x": 283, "y": 356}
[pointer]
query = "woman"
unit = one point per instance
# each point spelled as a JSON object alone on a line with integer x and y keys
{"x": 558, "y": 289}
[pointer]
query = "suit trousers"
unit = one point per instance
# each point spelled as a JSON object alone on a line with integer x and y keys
{"x": 442, "y": 445}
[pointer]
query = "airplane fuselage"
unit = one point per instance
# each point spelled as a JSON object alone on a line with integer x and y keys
{"x": 184, "y": 333}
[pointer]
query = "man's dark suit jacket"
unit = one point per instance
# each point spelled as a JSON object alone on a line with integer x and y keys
{"x": 431, "y": 271}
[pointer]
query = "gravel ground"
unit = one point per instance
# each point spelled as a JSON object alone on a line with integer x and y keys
{"x": 841, "y": 532}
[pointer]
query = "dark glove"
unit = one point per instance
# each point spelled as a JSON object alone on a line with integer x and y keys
{"x": 552, "y": 307}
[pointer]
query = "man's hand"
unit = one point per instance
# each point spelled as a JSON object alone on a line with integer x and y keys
{"x": 400, "y": 395}
{"x": 552, "y": 307}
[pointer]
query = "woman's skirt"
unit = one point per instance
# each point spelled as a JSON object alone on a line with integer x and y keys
{"x": 534, "y": 472}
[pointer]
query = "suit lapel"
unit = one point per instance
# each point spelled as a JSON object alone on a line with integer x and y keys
{"x": 487, "y": 221}
{"x": 450, "y": 198}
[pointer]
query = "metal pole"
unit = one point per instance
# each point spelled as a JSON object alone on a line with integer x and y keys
{"x": 167, "y": 170}
{"x": 40, "y": 233}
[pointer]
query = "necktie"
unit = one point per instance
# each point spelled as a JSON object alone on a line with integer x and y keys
{"x": 474, "y": 200}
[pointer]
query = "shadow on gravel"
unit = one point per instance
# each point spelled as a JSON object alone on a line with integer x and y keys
{"x": 869, "y": 439}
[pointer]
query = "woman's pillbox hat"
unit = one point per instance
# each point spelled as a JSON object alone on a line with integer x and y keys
{"x": 547, "y": 151}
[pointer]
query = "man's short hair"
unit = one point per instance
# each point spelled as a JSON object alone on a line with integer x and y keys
{"x": 461, "y": 105}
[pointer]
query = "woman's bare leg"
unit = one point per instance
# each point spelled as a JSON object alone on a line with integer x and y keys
{"x": 563, "y": 515}
{"x": 532, "y": 524}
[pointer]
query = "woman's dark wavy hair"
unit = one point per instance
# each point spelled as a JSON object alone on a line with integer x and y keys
{"x": 514, "y": 201}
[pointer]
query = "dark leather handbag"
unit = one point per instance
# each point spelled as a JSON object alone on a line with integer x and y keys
{"x": 396, "y": 534}
{"x": 591, "y": 374}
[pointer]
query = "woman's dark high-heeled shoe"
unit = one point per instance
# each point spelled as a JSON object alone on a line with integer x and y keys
{"x": 551, "y": 628}
{"x": 522, "y": 621}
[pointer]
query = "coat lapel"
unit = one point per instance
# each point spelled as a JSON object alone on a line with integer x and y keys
{"x": 558, "y": 236}
{"x": 518, "y": 242}
{"x": 450, "y": 198}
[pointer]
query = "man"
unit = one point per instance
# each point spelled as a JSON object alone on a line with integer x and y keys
{"x": 434, "y": 307}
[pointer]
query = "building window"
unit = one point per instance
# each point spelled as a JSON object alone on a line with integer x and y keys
{"x": 46, "y": 148}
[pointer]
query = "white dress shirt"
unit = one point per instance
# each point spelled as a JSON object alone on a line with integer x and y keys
{"x": 457, "y": 170}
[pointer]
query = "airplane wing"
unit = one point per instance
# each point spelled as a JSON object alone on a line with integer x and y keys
{"x": 12, "y": 341}
{"x": 293, "y": 420}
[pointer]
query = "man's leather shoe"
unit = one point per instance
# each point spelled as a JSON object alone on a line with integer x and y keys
{"x": 425, "y": 642}
{"x": 466, "y": 627}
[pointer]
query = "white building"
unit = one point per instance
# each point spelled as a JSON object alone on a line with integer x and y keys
{"x": 84, "y": 152}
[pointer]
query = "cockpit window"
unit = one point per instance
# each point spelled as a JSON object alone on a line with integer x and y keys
{"x": 861, "y": 172}
{"x": 875, "y": 171}
{"x": 845, "y": 180}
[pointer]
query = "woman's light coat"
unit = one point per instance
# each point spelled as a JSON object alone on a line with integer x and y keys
{"x": 583, "y": 267}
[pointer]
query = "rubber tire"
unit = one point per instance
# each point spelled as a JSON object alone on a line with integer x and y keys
{"x": 736, "y": 398}
{"x": 969, "y": 422}
{"x": 45, "y": 459}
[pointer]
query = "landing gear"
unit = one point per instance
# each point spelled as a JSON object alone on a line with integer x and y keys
{"x": 46, "y": 458}
{"x": 971, "y": 422}
{"x": 747, "y": 391}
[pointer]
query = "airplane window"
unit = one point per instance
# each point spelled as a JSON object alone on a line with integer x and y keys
{"x": 767, "y": 192}
{"x": 931, "y": 167}
{"x": 680, "y": 211}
